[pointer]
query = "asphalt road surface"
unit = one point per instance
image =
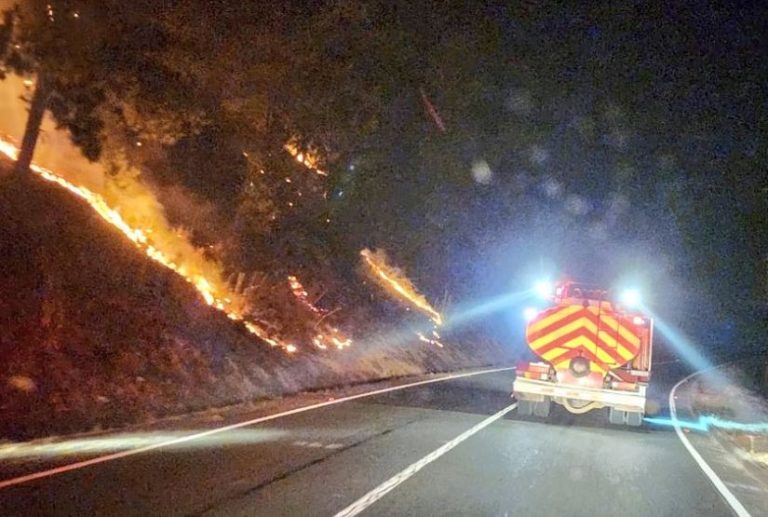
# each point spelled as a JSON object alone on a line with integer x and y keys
{"x": 425, "y": 450}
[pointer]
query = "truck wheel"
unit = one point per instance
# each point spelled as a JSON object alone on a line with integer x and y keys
{"x": 634, "y": 418}
{"x": 524, "y": 407}
{"x": 616, "y": 416}
{"x": 541, "y": 409}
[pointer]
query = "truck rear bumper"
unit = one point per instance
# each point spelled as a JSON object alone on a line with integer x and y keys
{"x": 532, "y": 389}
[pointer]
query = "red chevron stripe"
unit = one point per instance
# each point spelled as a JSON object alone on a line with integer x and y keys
{"x": 580, "y": 350}
{"x": 556, "y": 324}
{"x": 581, "y": 331}
{"x": 599, "y": 322}
{"x": 613, "y": 332}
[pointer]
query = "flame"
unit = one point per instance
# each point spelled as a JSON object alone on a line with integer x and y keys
{"x": 217, "y": 297}
{"x": 394, "y": 282}
{"x": 425, "y": 339}
{"x": 330, "y": 338}
{"x": 307, "y": 158}
{"x": 301, "y": 294}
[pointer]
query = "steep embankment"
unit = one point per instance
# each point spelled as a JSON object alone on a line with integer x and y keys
{"x": 94, "y": 333}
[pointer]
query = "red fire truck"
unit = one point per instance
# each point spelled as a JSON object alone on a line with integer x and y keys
{"x": 595, "y": 352}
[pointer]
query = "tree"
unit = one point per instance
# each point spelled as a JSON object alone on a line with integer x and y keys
{"x": 95, "y": 62}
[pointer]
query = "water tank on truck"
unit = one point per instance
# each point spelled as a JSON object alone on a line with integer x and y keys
{"x": 594, "y": 351}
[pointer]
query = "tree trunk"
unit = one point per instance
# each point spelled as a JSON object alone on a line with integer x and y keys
{"x": 34, "y": 121}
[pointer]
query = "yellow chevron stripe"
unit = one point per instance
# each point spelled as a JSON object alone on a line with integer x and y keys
{"x": 558, "y": 333}
{"x": 590, "y": 345}
{"x": 552, "y": 318}
{"x": 612, "y": 343}
{"x": 622, "y": 330}
{"x": 588, "y": 324}
{"x": 575, "y": 343}
{"x": 614, "y": 324}
{"x": 609, "y": 320}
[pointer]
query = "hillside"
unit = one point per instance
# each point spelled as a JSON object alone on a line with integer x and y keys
{"x": 93, "y": 333}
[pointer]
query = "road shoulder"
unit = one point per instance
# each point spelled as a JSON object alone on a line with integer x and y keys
{"x": 741, "y": 487}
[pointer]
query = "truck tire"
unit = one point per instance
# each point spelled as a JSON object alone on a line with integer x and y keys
{"x": 541, "y": 409}
{"x": 616, "y": 416}
{"x": 524, "y": 407}
{"x": 634, "y": 418}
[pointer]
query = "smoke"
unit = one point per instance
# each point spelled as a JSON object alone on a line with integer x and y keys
{"x": 132, "y": 200}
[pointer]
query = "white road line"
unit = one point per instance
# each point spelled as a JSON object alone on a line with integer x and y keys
{"x": 131, "y": 452}
{"x": 390, "y": 484}
{"x": 734, "y": 503}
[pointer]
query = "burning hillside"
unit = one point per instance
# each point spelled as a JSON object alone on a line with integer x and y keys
{"x": 204, "y": 275}
{"x": 94, "y": 333}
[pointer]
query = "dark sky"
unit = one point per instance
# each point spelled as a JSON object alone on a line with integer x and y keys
{"x": 625, "y": 140}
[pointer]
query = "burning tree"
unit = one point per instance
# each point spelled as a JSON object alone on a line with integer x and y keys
{"x": 93, "y": 63}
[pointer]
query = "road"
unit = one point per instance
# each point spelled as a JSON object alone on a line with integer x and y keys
{"x": 321, "y": 461}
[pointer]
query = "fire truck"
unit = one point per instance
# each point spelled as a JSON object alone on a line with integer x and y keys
{"x": 594, "y": 352}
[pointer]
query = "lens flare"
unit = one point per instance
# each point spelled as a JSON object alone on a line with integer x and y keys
{"x": 631, "y": 298}
{"x": 481, "y": 308}
{"x": 678, "y": 340}
{"x": 706, "y": 422}
{"x": 544, "y": 289}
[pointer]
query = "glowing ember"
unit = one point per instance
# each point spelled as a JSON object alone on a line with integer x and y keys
{"x": 306, "y": 158}
{"x": 331, "y": 338}
{"x": 301, "y": 294}
{"x": 218, "y": 298}
{"x": 425, "y": 339}
{"x": 396, "y": 283}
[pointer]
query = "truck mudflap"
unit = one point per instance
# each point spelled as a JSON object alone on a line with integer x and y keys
{"x": 539, "y": 390}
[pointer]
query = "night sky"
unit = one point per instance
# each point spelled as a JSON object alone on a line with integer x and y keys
{"x": 616, "y": 143}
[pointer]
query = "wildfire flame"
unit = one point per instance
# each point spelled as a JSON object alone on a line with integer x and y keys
{"x": 218, "y": 297}
{"x": 431, "y": 341}
{"x": 332, "y": 336}
{"x": 301, "y": 294}
{"x": 397, "y": 284}
{"x": 307, "y": 158}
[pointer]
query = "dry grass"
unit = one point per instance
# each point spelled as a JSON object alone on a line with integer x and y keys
{"x": 94, "y": 334}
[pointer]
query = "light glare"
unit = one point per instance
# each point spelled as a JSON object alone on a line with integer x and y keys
{"x": 630, "y": 297}
{"x": 543, "y": 289}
